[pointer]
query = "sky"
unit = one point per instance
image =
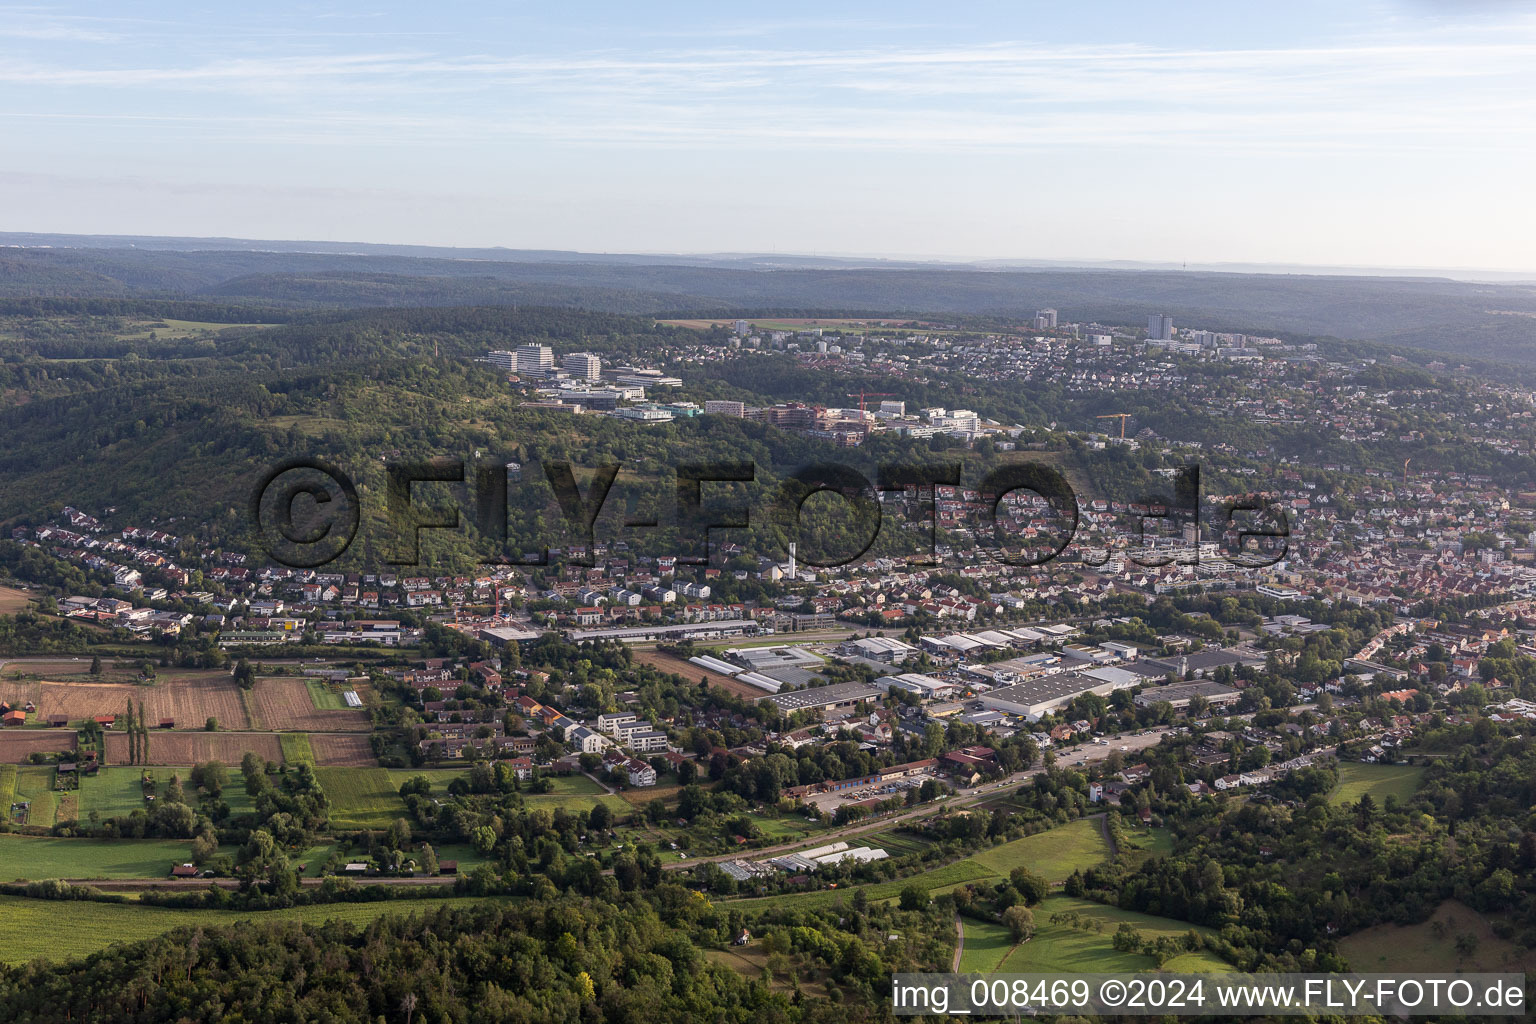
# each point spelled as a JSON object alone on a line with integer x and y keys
{"x": 1390, "y": 134}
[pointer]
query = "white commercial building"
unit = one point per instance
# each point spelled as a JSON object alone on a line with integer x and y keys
{"x": 583, "y": 365}
{"x": 535, "y": 359}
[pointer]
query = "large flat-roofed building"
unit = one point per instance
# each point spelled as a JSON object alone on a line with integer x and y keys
{"x": 1201, "y": 663}
{"x": 914, "y": 682}
{"x": 1180, "y": 694}
{"x": 644, "y": 634}
{"x": 582, "y": 365}
{"x": 724, "y": 407}
{"x": 836, "y": 695}
{"x": 535, "y": 359}
{"x": 1036, "y": 697}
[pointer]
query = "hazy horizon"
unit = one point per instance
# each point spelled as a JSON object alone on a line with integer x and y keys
{"x": 1385, "y": 136}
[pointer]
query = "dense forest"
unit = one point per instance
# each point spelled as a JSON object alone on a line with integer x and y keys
{"x": 628, "y": 958}
{"x": 1464, "y": 318}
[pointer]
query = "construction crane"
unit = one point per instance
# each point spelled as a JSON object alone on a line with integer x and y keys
{"x": 870, "y": 394}
{"x": 1405, "y": 471}
{"x": 1121, "y": 416}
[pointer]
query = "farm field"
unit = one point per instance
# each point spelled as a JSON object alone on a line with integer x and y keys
{"x": 1379, "y": 780}
{"x": 1406, "y": 949}
{"x": 36, "y": 858}
{"x": 349, "y": 750}
{"x": 176, "y": 330}
{"x": 7, "y": 790}
{"x": 296, "y": 748}
{"x": 58, "y": 930}
{"x": 1053, "y": 855}
{"x": 13, "y": 600}
{"x": 1061, "y": 947}
{"x": 189, "y": 698}
{"x": 17, "y": 745}
{"x": 195, "y": 747}
{"x": 693, "y": 673}
{"x": 361, "y": 797}
{"x": 284, "y": 703}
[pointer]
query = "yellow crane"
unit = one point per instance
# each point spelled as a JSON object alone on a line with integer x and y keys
{"x": 1121, "y": 416}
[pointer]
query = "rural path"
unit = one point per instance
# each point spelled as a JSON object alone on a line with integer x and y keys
{"x": 1109, "y": 840}
{"x": 606, "y": 788}
{"x": 954, "y": 967}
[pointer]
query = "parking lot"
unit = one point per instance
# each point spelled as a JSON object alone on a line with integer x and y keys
{"x": 828, "y": 803}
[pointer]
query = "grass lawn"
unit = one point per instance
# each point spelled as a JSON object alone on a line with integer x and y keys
{"x": 1143, "y": 844}
{"x": 115, "y": 791}
{"x": 41, "y": 857}
{"x": 7, "y": 789}
{"x": 1379, "y": 780}
{"x": 468, "y": 857}
{"x": 314, "y": 858}
{"x": 1408, "y": 949}
{"x": 1061, "y": 947}
{"x": 324, "y": 698}
{"x": 60, "y": 930}
{"x": 577, "y": 793}
{"x": 1053, "y": 855}
{"x": 787, "y": 828}
{"x": 986, "y": 944}
{"x": 296, "y": 748}
{"x": 35, "y": 784}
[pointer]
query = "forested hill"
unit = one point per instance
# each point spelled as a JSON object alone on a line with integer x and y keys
{"x": 1491, "y": 321}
